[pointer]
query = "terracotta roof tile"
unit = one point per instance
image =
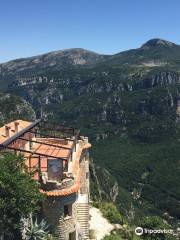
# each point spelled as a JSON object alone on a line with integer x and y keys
{"x": 52, "y": 150}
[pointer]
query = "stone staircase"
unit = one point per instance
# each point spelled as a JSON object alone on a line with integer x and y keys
{"x": 83, "y": 219}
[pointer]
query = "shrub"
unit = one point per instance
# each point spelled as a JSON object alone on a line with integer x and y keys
{"x": 110, "y": 211}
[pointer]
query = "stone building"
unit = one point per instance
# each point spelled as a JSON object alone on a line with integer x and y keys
{"x": 59, "y": 159}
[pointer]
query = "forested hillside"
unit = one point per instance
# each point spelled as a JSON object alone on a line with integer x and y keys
{"x": 129, "y": 106}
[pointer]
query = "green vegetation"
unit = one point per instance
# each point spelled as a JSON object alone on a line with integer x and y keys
{"x": 112, "y": 214}
{"x": 110, "y": 211}
{"x": 126, "y": 231}
{"x": 19, "y": 195}
{"x": 92, "y": 234}
{"x": 155, "y": 223}
{"x": 145, "y": 170}
{"x": 113, "y": 237}
{"x": 13, "y": 108}
{"x": 122, "y": 235}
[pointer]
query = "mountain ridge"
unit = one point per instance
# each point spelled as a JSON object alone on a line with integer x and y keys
{"x": 128, "y": 105}
{"x": 151, "y": 42}
{"x": 54, "y": 52}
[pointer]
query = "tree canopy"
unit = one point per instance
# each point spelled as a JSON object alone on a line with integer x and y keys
{"x": 19, "y": 194}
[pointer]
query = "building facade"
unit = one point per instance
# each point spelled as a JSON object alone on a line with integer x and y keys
{"x": 59, "y": 158}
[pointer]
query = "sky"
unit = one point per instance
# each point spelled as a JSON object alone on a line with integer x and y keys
{"x": 32, "y": 27}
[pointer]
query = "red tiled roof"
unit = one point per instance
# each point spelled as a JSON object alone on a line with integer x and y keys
{"x": 53, "y": 151}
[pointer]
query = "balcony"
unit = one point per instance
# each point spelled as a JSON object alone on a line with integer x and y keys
{"x": 50, "y": 185}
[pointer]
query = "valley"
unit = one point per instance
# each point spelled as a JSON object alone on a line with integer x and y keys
{"x": 129, "y": 106}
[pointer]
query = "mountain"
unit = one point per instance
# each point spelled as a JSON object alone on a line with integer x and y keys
{"x": 13, "y": 107}
{"x": 63, "y": 59}
{"x": 129, "y": 106}
{"x": 157, "y": 42}
{"x": 54, "y": 60}
{"x": 155, "y": 52}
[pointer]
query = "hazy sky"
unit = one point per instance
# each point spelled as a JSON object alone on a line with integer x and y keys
{"x": 31, "y": 27}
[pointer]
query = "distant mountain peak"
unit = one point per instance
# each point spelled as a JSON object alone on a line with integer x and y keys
{"x": 156, "y": 42}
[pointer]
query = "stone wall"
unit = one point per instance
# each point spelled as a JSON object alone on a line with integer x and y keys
{"x": 53, "y": 210}
{"x": 84, "y": 165}
{"x": 83, "y": 197}
{"x": 78, "y": 223}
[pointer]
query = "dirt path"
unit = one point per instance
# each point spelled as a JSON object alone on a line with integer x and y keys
{"x": 99, "y": 224}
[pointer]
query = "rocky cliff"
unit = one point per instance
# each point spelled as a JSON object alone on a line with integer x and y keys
{"x": 14, "y": 107}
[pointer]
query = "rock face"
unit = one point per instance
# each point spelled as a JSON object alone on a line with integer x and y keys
{"x": 13, "y": 107}
{"x": 103, "y": 184}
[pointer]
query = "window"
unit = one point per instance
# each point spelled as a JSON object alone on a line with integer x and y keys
{"x": 55, "y": 169}
{"x": 68, "y": 210}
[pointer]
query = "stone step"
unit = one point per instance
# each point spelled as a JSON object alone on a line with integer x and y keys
{"x": 83, "y": 219}
{"x": 86, "y": 210}
{"x": 83, "y": 209}
{"x": 82, "y": 222}
{"x": 84, "y": 214}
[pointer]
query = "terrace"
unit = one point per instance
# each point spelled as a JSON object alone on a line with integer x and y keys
{"x": 52, "y": 153}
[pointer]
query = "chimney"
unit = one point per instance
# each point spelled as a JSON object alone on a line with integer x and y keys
{"x": 16, "y": 126}
{"x": 7, "y": 131}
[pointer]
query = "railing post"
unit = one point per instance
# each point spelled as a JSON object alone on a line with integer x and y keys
{"x": 39, "y": 168}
